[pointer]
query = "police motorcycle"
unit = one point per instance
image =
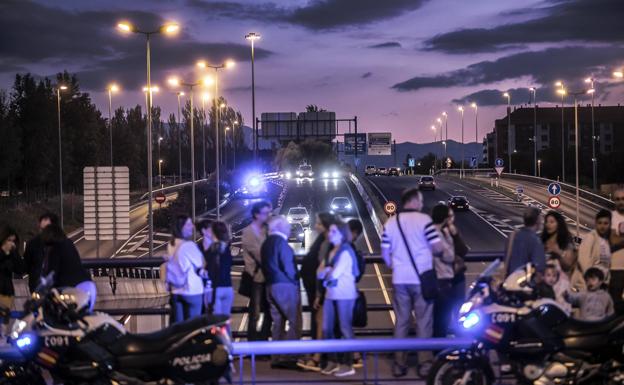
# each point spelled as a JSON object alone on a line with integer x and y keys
{"x": 79, "y": 347}
{"x": 535, "y": 339}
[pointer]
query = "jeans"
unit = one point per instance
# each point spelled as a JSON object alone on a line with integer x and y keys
{"x": 89, "y": 288}
{"x": 343, "y": 309}
{"x": 258, "y": 304}
{"x": 184, "y": 307}
{"x": 443, "y": 308}
{"x": 285, "y": 304}
{"x": 408, "y": 298}
{"x": 224, "y": 296}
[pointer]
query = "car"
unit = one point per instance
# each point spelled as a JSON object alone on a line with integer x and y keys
{"x": 382, "y": 171}
{"x": 299, "y": 215}
{"x": 426, "y": 183}
{"x": 394, "y": 171}
{"x": 331, "y": 174}
{"x": 458, "y": 202}
{"x": 340, "y": 205}
{"x": 305, "y": 171}
{"x": 370, "y": 170}
{"x": 297, "y": 234}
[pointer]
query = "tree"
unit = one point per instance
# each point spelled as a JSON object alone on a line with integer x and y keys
{"x": 314, "y": 108}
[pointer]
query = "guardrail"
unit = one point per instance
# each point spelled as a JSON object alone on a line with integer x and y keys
{"x": 170, "y": 188}
{"x": 366, "y": 347}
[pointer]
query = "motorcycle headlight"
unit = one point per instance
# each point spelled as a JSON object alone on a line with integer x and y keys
{"x": 465, "y": 308}
{"x": 18, "y": 327}
{"x": 470, "y": 320}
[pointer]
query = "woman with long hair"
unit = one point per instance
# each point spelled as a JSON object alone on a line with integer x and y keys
{"x": 218, "y": 262}
{"x": 10, "y": 263}
{"x": 559, "y": 247}
{"x": 184, "y": 262}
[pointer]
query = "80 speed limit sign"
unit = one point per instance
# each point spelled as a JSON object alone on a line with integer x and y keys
{"x": 390, "y": 207}
{"x": 554, "y": 202}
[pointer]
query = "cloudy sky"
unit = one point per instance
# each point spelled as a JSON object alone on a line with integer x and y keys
{"x": 396, "y": 64}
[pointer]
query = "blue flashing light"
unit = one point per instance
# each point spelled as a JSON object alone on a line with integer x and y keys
{"x": 254, "y": 181}
{"x": 24, "y": 341}
{"x": 471, "y": 320}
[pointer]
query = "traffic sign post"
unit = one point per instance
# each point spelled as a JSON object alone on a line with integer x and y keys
{"x": 519, "y": 189}
{"x": 390, "y": 208}
{"x": 160, "y": 198}
{"x": 499, "y": 166}
{"x": 554, "y": 189}
{"x": 554, "y": 202}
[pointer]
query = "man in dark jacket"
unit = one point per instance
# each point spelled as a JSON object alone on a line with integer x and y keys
{"x": 282, "y": 279}
{"x": 33, "y": 255}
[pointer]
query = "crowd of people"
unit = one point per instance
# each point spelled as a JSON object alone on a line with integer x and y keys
{"x": 425, "y": 252}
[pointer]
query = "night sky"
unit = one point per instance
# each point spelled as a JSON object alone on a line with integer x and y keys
{"x": 396, "y": 64}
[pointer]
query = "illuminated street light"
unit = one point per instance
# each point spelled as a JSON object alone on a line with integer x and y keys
{"x": 618, "y": 74}
{"x": 509, "y": 146}
{"x": 446, "y": 131}
{"x": 205, "y": 97}
{"x": 168, "y": 29}
{"x": 476, "y": 108}
{"x": 252, "y": 37}
{"x": 112, "y": 88}
{"x": 461, "y": 169}
{"x": 177, "y": 82}
{"x": 590, "y": 81}
{"x": 562, "y": 91}
{"x": 216, "y": 68}
{"x": 533, "y": 90}
{"x": 60, "y": 88}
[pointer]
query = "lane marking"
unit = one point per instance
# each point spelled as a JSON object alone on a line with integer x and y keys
{"x": 378, "y": 189}
{"x": 385, "y": 292}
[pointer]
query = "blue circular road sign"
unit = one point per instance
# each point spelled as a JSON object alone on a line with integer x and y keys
{"x": 499, "y": 162}
{"x": 554, "y": 189}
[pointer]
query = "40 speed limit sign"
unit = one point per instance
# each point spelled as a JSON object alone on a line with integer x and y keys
{"x": 554, "y": 202}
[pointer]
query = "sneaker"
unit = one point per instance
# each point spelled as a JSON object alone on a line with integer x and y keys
{"x": 423, "y": 369}
{"x": 344, "y": 371}
{"x": 330, "y": 369}
{"x": 358, "y": 363}
{"x": 310, "y": 365}
{"x": 399, "y": 371}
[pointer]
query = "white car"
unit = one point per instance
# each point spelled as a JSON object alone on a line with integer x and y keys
{"x": 331, "y": 174}
{"x": 305, "y": 171}
{"x": 341, "y": 205}
{"x": 370, "y": 170}
{"x": 298, "y": 214}
{"x": 382, "y": 171}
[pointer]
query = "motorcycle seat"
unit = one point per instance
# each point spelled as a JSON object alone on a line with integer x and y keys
{"x": 159, "y": 341}
{"x": 576, "y": 327}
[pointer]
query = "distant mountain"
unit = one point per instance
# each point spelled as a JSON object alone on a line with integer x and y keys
{"x": 419, "y": 150}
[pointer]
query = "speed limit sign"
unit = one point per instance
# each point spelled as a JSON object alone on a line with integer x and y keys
{"x": 554, "y": 202}
{"x": 390, "y": 207}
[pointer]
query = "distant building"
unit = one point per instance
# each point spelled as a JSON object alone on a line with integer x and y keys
{"x": 517, "y": 139}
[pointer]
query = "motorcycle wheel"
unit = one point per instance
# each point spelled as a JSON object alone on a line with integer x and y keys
{"x": 446, "y": 372}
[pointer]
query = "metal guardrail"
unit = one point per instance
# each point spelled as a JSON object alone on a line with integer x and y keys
{"x": 366, "y": 347}
{"x": 171, "y": 188}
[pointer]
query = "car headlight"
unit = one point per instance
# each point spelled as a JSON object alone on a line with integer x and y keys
{"x": 288, "y": 175}
{"x": 335, "y": 174}
{"x": 18, "y": 327}
{"x": 309, "y": 174}
{"x": 348, "y": 206}
{"x": 334, "y": 207}
{"x": 299, "y": 173}
{"x": 470, "y": 320}
{"x": 325, "y": 175}
{"x": 306, "y": 218}
{"x": 289, "y": 219}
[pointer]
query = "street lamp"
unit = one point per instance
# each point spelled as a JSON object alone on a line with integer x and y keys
{"x": 590, "y": 81}
{"x": 539, "y": 168}
{"x": 112, "y": 88}
{"x": 252, "y": 37}
{"x": 534, "y": 92}
{"x": 60, "y": 88}
{"x": 509, "y": 149}
{"x": 178, "y": 94}
{"x": 216, "y": 68}
{"x": 461, "y": 169}
{"x": 160, "y": 162}
{"x": 476, "y": 108}
{"x": 176, "y": 82}
{"x": 446, "y": 130}
{"x": 160, "y": 139}
{"x": 205, "y": 97}
{"x": 168, "y": 29}
{"x": 435, "y": 152}
{"x": 563, "y": 92}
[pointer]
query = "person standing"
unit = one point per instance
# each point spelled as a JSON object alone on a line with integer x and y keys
{"x": 616, "y": 284}
{"x": 524, "y": 246}
{"x": 252, "y": 238}
{"x": 10, "y": 263}
{"x": 33, "y": 254}
{"x": 338, "y": 278}
{"x": 357, "y": 235}
{"x": 218, "y": 261}
{"x": 444, "y": 266}
{"x": 559, "y": 247}
{"x": 184, "y": 262}
{"x": 282, "y": 279}
{"x": 204, "y": 227}
{"x": 62, "y": 258}
{"x": 408, "y": 243}
{"x": 594, "y": 250}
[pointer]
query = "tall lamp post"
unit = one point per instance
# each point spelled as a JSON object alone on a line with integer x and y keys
{"x": 590, "y": 81}
{"x": 169, "y": 28}
{"x": 562, "y": 91}
{"x": 576, "y": 152}
{"x": 445, "y": 134}
{"x": 160, "y": 139}
{"x": 234, "y": 124}
{"x": 534, "y": 92}
{"x": 476, "y": 108}
{"x": 112, "y": 88}
{"x": 252, "y": 37}
{"x": 204, "y": 99}
{"x": 216, "y": 68}
{"x": 435, "y": 152}
{"x": 509, "y": 149}
{"x": 60, "y": 88}
{"x": 175, "y": 82}
{"x": 178, "y": 94}
{"x": 539, "y": 168}
{"x": 461, "y": 169}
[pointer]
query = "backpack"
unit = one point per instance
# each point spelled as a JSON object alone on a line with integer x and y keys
{"x": 360, "y": 264}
